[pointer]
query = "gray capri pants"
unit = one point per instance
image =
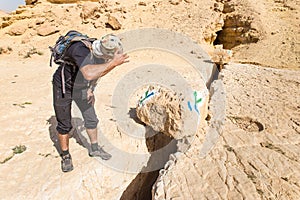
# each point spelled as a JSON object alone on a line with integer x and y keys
{"x": 63, "y": 104}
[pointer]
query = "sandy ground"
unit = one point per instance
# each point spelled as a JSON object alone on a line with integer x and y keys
{"x": 28, "y": 119}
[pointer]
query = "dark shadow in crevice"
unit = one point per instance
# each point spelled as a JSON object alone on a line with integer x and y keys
{"x": 76, "y": 133}
{"x": 208, "y": 61}
{"x": 218, "y": 40}
{"x": 132, "y": 114}
{"x": 141, "y": 187}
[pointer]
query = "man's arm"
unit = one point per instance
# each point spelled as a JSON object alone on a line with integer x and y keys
{"x": 95, "y": 71}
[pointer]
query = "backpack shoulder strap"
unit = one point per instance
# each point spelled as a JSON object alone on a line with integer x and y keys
{"x": 86, "y": 41}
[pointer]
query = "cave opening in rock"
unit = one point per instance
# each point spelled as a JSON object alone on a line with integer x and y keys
{"x": 236, "y": 30}
{"x": 217, "y": 40}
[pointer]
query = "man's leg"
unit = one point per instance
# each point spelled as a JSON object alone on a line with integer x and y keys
{"x": 63, "y": 141}
{"x": 96, "y": 151}
{"x": 92, "y": 133}
{"x": 66, "y": 162}
{"x": 90, "y": 123}
{"x": 62, "y": 107}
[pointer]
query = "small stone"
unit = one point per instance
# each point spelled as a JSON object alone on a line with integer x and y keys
{"x": 228, "y": 8}
{"x": 98, "y": 24}
{"x": 30, "y": 2}
{"x": 114, "y": 23}
{"x": 39, "y": 21}
{"x": 19, "y": 11}
{"x": 141, "y": 3}
{"x": 17, "y": 30}
{"x": 46, "y": 30}
{"x": 88, "y": 10}
{"x": 175, "y": 2}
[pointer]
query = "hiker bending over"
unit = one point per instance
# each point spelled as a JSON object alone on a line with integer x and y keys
{"x": 75, "y": 79}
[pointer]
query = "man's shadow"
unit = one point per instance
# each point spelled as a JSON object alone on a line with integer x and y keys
{"x": 76, "y": 133}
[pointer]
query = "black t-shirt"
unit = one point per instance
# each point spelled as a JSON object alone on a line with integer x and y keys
{"x": 79, "y": 55}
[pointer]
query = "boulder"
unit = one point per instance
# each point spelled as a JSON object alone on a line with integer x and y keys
{"x": 17, "y": 30}
{"x": 46, "y": 30}
{"x": 5, "y": 24}
{"x": 142, "y": 3}
{"x": 221, "y": 56}
{"x": 31, "y": 2}
{"x": 88, "y": 10}
{"x": 160, "y": 108}
{"x": 114, "y": 23}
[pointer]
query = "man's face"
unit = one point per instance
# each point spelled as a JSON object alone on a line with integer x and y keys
{"x": 106, "y": 58}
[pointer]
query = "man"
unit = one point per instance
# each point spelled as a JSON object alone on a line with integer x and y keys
{"x": 76, "y": 81}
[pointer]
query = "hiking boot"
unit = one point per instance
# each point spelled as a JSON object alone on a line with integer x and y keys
{"x": 100, "y": 153}
{"x": 66, "y": 163}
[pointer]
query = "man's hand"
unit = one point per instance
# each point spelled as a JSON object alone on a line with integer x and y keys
{"x": 90, "y": 96}
{"x": 119, "y": 59}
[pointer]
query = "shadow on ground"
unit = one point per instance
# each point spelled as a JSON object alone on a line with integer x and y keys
{"x": 76, "y": 133}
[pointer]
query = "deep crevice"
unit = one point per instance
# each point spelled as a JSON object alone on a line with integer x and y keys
{"x": 217, "y": 40}
{"x": 141, "y": 187}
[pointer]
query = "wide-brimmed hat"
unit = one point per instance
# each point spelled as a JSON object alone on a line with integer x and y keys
{"x": 107, "y": 46}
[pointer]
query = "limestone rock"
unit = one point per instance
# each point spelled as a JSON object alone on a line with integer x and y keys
{"x": 221, "y": 56}
{"x": 20, "y": 10}
{"x": 17, "y": 30}
{"x": 238, "y": 30}
{"x": 161, "y": 110}
{"x": 175, "y": 2}
{"x": 31, "y": 2}
{"x": 5, "y": 24}
{"x": 39, "y": 21}
{"x": 88, "y": 10}
{"x": 5, "y": 50}
{"x": 142, "y": 3}
{"x": 98, "y": 24}
{"x": 46, "y": 30}
{"x": 247, "y": 161}
{"x": 228, "y": 8}
{"x": 114, "y": 23}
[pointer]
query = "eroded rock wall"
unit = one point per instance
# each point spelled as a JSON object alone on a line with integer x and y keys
{"x": 256, "y": 156}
